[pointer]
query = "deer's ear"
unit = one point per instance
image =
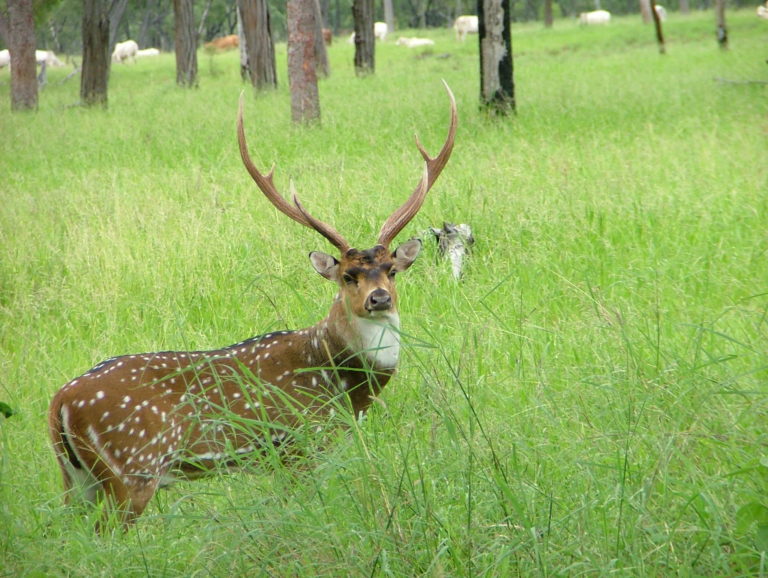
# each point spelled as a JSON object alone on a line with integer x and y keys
{"x": 325, "y": 264}
{"x": 406, "y": 254}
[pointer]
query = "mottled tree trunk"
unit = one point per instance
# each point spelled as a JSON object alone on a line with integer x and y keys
{"x": 548, "y": 17}
{"x": 645, "y": 11}
{"x": 659, "y": 31}
{"x": 94, "y": 76}
{"x": 305, "y": 101}
{"x": 259, "y": 44}
{"x": 497, "y": 86}
{"x": 365, "y": 41}
{"x": 21, "y": 32}
{"x": 185, "y": 43}
{"x": 722, "y": 30}
{"x": 322, "y": 66}
{"x": 389, "y": 15}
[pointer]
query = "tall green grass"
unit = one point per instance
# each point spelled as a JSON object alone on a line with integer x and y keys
{"x": 590, "y": 399}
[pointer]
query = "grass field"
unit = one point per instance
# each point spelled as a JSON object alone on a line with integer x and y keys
{"x": 590, "y": 399}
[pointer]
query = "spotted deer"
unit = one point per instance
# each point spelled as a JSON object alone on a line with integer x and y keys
{"x": 133, "y": 423}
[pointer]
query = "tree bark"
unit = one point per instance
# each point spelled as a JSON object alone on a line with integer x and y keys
{"x": 305, "y": 101}
{"x": 365, "y": 42}
{"x": 722, "y": 30}
{"x": 259, "y": 44}
{"x": 321, "y": 54}
{"x": 497, "y": 86}
{"x": 21, "y": 32}
{"x": 548, "y": 17}
{"x": 94, "y": 76}
{"x": 115, "y": 16}
{"x": 659, "y": 31}
{"x": 389, "y": 15}
{"x": 185, "y": 43}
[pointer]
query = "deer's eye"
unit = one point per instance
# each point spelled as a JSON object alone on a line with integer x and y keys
{"x": 349, "y": 279}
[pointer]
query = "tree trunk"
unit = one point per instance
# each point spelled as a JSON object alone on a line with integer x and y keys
{"x": 321, "y": 54}
{"x": 645, "y": 11}
{"x": 548, "y": 17}
{"x": 94, "y": 76}
{"x": 497, "y": 86}
{"x": 722, "y": 31}
{"x": 659, "y": 31}
{"x": 389, "y": 15}
{"x": 186, "y": 43}
{"x": 115, "y": 16}
{"x": 305, "y": 101}
{"x": 685, "y": 7}
{"x": 21, "y": 32}
{"x": 259, "y": 44}
{"x": 365, "y": 42}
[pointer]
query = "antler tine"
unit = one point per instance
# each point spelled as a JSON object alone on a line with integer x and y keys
{"x": 323, "y": 228}
{"x": 432, "y": 169}
{"x": 267, "y": 186}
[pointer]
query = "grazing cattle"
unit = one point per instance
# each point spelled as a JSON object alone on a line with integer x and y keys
{"x": 380, "y": 30}
{"x": 125, "y": 51}
{"x": 48, "y": 57}
{"x": 223, "y": 43}
{"x": 465, "y": 25}
{"x": 661, "y": 12}
{"x": 594, "y": 17}
{"x": 143, "y": 53}
{"x": 762, "y": 11}
{"x": 412, "y": 42}
{"x": 41, "y": 56}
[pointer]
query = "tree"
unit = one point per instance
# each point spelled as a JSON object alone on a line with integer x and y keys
{"x": 305, "y": 100}
{"x": 19, "y": 27}
{"x": 722, "y": 30}
{"x": 185, "y": 43}
{"x": 259, "y": 45}
{"x": 365, "y": 42}
{"x": 94, "y": 75}
{"x": 321, "y": 54}
{"x": 548, "y": 17}
{"x": 497, "y": 85}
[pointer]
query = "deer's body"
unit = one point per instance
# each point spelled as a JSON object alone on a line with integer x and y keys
{"x": 134, "y": 422}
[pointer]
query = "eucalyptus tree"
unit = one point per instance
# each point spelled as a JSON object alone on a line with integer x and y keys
{"x": 17, "y": 26}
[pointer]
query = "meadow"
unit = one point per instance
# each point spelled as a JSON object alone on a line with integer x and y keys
{"x": 591, "y": 398}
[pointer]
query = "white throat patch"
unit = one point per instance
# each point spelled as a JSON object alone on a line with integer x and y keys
{"x": 380, "y": 339}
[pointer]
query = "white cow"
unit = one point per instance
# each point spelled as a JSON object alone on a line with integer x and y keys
{"x": 465, "y": 25}
{"x": 595, "y": 17}
{"x": 125, "y": 51}
{"x": 661, "y": 11}
{"x": 143, "y": 53}
{"x": 413, "y": 42}
{"x": 41, "y": 56}
{"x": 762, "y": 11}
{"x": 380, "y": 30}
{"x": 48, "y": 57}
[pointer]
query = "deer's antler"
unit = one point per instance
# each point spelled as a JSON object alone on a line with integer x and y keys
{"x": 296, "y": 211}
{"x": 432, "y": 169}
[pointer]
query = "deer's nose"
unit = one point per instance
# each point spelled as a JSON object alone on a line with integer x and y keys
{"x": 378, "y": 300}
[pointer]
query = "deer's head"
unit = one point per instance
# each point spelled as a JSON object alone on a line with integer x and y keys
{"x": 365, "y": 277}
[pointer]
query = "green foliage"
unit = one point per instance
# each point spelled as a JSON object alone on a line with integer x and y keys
{"x": 590, "y": 399}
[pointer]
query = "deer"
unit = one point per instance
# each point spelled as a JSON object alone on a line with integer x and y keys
{"x": 135, "y": 423}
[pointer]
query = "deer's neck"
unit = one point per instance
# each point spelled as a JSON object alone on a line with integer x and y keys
{"x": 374, "y": 340}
